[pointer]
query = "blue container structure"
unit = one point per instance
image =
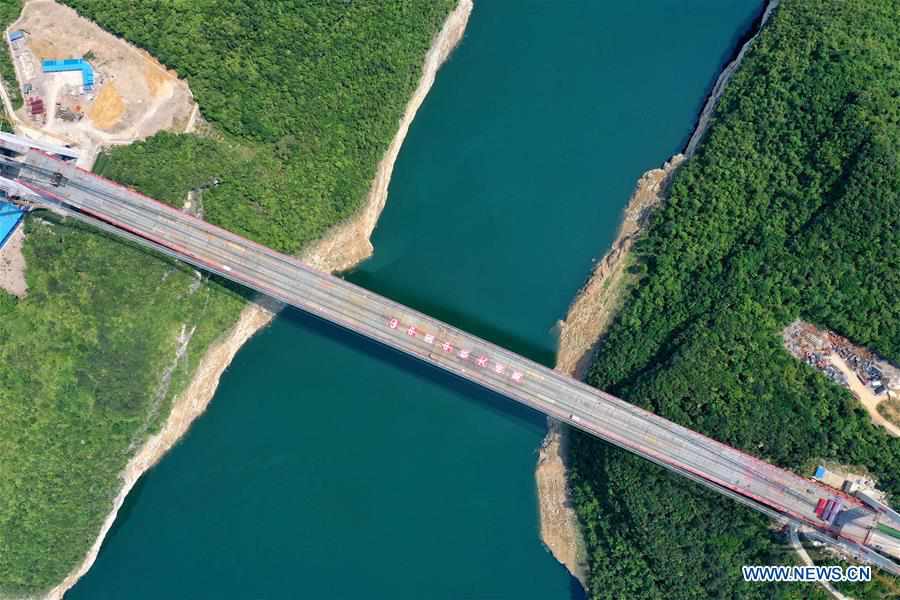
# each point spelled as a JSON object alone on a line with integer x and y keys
{"x": 16, "y": 35}
{"x": 10, "y": 217}
{"x": 72, "y": 64}
{"x": 820, "y": 472}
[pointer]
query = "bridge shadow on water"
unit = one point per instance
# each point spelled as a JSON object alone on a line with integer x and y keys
{"x": 392, "y": 358}
{"x": 465, "y": 320}
{"x": 305, "y": 324}
{"x": 469, "y": 391}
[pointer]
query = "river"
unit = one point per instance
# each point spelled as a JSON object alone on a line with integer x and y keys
{"x": 329, "y": 467}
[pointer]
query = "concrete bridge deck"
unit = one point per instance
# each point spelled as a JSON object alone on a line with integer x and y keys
{"x": 58, "y": 186}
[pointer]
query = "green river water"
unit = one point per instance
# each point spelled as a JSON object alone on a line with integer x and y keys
{"x": 329, "y": 467}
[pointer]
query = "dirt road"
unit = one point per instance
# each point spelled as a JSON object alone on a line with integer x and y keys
{"x": 864, "y": 394}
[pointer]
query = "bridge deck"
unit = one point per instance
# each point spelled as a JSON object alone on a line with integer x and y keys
{"x": 409, "y": 331}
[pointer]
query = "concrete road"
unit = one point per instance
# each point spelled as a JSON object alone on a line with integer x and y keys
{"x": 777, "y": 492}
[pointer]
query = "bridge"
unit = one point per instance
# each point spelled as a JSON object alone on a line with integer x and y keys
{"x": 860, "y": 528}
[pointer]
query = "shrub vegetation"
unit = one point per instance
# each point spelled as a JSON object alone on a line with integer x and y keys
{"x": 9, "y": 12}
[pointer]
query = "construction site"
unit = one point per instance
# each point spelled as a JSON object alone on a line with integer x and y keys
{"x": 84, "y": 87}
{"x": 873, "y": 380}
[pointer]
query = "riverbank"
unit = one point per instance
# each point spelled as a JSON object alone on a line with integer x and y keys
{"x": 348, "y": 244}
{"x": 588, "y": 317}
{"x": 724, "y": 77}
{"x": 743, "y": 252}
{"x": 339, "y": 249}
{"x": 579, "y": 336}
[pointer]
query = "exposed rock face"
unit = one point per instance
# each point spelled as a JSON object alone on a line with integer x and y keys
{"x": 348, "y": 243}
{"x": 588, "y": 318}
{"x": 560, "y": 531}
{"x": 596, "y": 303}
{"x": 580, "y": 334}
{"x": 189, "y": 405}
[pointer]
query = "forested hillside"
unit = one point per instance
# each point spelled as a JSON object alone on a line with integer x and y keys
{"x": 311, "y": 91}
{"x": 791, "y": 208}
{"x": 304, "y": 98}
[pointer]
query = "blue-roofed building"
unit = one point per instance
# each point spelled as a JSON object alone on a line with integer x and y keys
{"x": 10, "y": 217}
{"x": 820, "y": 473}
{"x": 16, "y": 35}
{"x": 71, "y": 64}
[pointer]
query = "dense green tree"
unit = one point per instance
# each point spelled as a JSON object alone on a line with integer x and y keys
{"x": 307, "y": 94}
{"x": 304, "y": 98}
{"x": 9, "y": 12}
{"x": 791, "y": 208}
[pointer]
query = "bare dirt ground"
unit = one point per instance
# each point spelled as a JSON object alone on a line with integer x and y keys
{"x": 108, "y": 108}
{"x": 864, "y": 394}
{"x": 873, "y": 380}
{"x": 134, "y": 95}
{"x": 890, "y": 409}
{"x": 12, "y": 265}
{"x": 560, "y": 530}
{"x": 134, "y": 98}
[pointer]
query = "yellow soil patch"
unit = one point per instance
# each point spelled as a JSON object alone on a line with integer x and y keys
{"x": 108, "y": 108}
{"x": 156, "y": 78}
{"x": 46, "y": 49}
